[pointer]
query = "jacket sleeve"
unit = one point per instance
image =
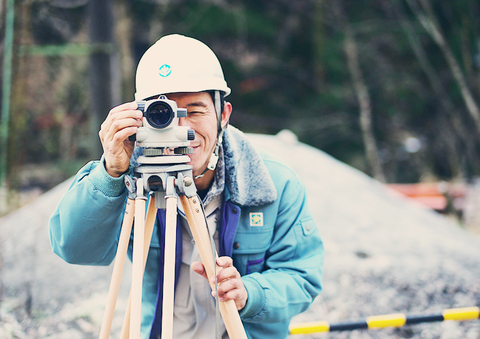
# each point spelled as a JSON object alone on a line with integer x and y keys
{"x": 293, "y": 262}
{"x": 84, "y": 228}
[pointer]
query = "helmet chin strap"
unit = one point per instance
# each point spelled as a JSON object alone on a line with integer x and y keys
{"x": 212, "y": 163}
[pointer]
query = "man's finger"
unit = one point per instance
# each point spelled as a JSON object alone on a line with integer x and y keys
{"x": 224, "y": 261}
{"x": 126, "y": 110}
{"x": 198, "y": 268}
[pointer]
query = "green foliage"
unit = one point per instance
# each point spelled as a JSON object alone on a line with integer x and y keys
{"x": 285, "y": 62}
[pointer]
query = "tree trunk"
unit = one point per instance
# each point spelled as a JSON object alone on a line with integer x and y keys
{"x": 363, "y": 97}
{"x": 101, "y": 37}
{"x": 124, "y": 32}
{"x": 439, "y": 90}
{"x": 429, "y": 22}
{"x": 319, "y": 42}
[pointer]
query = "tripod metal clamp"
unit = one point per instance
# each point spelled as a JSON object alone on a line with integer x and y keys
{"x": 131, "y": 187}
{"x": 186, "y": 185}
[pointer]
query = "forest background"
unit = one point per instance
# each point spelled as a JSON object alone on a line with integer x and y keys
{"x": 390, "y": 87}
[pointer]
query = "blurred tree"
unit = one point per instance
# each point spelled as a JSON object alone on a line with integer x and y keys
{"x": 55, "y": 22}
{"x": 429, "y": 21}
{"x": 416, "y": 62}
{"x": 100, "y": 31}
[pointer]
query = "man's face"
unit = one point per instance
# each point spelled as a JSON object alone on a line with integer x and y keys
{"x": 202, "y": 118}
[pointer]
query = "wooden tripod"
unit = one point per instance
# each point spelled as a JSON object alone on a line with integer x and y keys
{"x": 177, "y": 182}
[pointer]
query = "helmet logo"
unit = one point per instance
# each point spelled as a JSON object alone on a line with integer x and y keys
{"x": 165, "y": 70}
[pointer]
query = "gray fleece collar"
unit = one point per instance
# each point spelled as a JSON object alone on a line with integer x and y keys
{"x": 246, "y": 176}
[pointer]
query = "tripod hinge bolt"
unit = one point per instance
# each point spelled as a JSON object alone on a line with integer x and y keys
{"x": 187, "y": 181}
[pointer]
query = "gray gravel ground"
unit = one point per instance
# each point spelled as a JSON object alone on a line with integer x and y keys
{"x": 384, "y": 255}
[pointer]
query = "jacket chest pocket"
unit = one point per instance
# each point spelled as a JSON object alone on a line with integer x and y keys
{"x": 249, "y": 251}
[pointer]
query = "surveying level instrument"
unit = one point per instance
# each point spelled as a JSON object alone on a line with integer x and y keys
{"x": 165, "y": 178}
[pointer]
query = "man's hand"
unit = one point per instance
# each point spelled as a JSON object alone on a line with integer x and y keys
{"x": 122, "y": 121}
{"x": 229, "y": 282}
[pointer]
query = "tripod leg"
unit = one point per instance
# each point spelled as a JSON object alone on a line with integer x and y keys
{"x": 149, "y": 225}
{"x": 137, "y": 258}
{"x": 118, "y": 269}
{"x": 169, "y": 267}
{"x": 198, "y": 226}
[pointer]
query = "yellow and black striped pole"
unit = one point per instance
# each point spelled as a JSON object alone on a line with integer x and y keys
{"x": 388, "y": 320}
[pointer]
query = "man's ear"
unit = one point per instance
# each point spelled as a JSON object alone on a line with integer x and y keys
{"x": 227, "y": 111}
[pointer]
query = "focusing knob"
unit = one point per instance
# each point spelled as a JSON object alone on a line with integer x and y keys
{"x": 183, "y": 150}
{"x": 191, "y": 134}
{"x": 152, "y": 152}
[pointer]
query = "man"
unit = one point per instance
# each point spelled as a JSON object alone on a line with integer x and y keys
{"x": 270, "y": 252}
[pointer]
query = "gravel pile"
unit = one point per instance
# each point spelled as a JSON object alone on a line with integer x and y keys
{"x": 384, "y": 255}
{"x": 41, "y": 295}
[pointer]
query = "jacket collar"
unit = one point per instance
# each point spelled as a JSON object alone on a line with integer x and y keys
{"x": 247, "y": 179}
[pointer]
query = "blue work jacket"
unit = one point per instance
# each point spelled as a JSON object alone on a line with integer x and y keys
{"x": 266, "y": 227}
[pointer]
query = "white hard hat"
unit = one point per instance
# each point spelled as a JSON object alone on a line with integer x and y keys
{"x": 175, "y": 64}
